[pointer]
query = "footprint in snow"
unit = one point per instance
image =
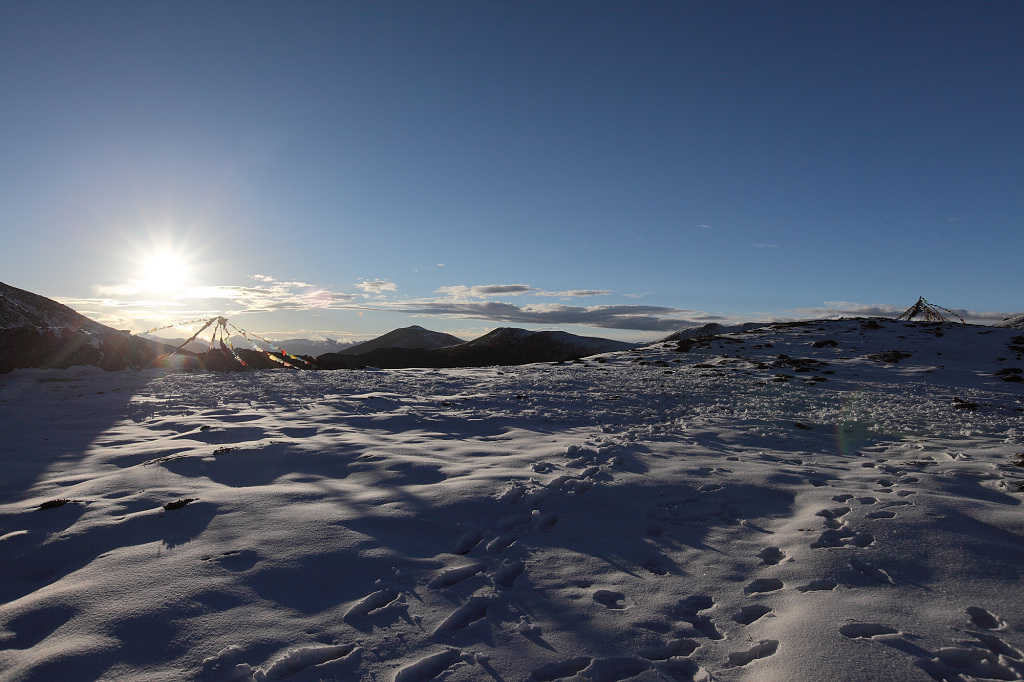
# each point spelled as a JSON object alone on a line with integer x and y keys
{"x": 609, "y": 598}
{"x": 370, "y": 603}
{"x": 949, "y": 663}
{"x": 544, "y": 521}
{"x": 819, "y": 586}
{"x": 689, "y": 610}
{"x": 462, "y": 617}
{"x": 762, "y": 585}
{"x": 429, "y": 667}
{"x": 749, "y": 614}
{"x": 762, "y": 649}
{"x": 832, "y": 516}
{"x": 865, "y": 630}
{"x": 500, "y": 543}
{"x": 675, "y": 647}
{"x": 694, "y": 604}
{"x": 468, "y": 541}
{"x": 985, "y": 619}
{"x": 294, "y": 662}
{"x": 841, "y": 537}
{"x": 453, "y": 576}
{"x": 506, "y": 575}
{"x": 771, "y": 556}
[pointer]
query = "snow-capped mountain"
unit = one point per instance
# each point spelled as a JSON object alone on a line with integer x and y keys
{"x": 711, "y": 329}
{"x": 1016, "y": 322}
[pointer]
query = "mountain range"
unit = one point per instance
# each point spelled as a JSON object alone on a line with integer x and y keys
{"x": 36, "y": 331}
{"x": 503, "y": 346}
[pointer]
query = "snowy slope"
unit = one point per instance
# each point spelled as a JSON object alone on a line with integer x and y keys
{"x": 1016, "y": 322}
{"x": 828, "y": 501}
{"x": 710, "y": 329}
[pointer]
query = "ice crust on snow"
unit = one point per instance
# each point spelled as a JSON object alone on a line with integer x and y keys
{"x": 775, "y": 503}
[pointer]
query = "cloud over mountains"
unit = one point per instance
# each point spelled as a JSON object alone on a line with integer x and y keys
{"x": 266, "y": 294}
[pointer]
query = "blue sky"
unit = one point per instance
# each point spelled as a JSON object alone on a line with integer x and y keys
{"x": 618, "y": 169}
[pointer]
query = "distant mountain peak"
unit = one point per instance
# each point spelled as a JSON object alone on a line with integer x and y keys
{"x": 1015, "y": 322}
{"x": 413, "y": 337}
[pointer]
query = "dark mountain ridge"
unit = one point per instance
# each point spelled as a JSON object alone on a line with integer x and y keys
{"x": 20, "y": 308}
{"x": 36, "y": 331}
{"x": 414, "y": 337}
{"x": 503, "y": 346}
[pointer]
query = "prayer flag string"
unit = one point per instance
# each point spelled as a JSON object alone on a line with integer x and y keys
{"x": 220, "y": 325}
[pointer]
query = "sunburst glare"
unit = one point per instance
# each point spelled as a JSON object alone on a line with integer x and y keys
{"x": 163, "y": 271}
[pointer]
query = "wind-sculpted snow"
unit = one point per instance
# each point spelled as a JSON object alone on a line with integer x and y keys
{"x": 760, "y": 505}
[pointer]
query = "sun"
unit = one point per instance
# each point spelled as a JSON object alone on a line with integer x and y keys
{"x": 163, "y": 271}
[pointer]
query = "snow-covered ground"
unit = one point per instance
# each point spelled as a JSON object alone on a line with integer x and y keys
{"x": 770, "y": 507}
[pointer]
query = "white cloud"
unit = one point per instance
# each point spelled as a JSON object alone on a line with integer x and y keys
{"x": 485, "y": 290}
{"x": 376, "y": 286}
{"x": 121, "y": 306}
{"x": 648, "y": 318}
{"x": 129, "y": 288}
{"x": 765, "y": 246}
{"x": 574, "y": 293}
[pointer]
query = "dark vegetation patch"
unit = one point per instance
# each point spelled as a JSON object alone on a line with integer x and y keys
{"x": 53, "y": 504}
{"x": 891, "y": 356}
{"x": 798, "y": 364}
{"x": 178, "y": 504}
{"x": 961, "y": 404}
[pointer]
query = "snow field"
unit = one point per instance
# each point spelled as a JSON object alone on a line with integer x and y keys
{"x": 641, "y": 515}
